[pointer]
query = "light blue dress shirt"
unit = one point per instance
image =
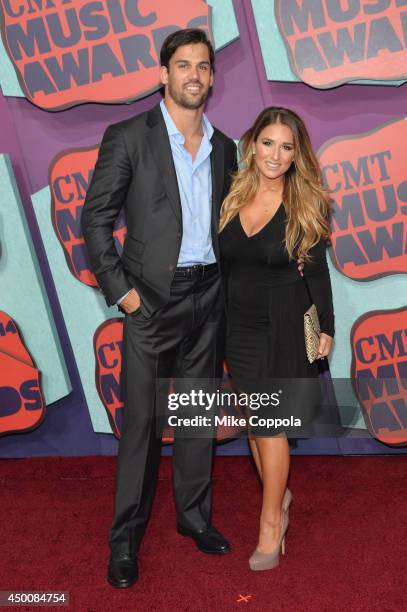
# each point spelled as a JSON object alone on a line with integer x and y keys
{"x": 195, "y": 190}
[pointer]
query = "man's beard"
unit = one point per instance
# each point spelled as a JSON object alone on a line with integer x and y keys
{"x": 182, "y": 99}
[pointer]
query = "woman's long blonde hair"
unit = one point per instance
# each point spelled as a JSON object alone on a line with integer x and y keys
{"x": 306, "y": 200}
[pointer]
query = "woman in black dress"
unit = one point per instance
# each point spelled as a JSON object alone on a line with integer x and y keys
{"x": 275, "y": 214}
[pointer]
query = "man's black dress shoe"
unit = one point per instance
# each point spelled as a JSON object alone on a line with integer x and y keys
{"x": 208, "y": 540}
{"x": 122, "y": 571}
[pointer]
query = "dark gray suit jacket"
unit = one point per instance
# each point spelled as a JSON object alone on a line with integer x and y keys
{"x": 135, "y": 169}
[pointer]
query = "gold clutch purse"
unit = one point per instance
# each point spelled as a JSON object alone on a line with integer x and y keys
{"x": 312, "y": 331}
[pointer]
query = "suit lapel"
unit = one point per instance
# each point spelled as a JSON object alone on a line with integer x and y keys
{"x": 159, "y": 144}
{"x": 218, "y": 171}
{"x": 218, "y": 177}
{"x": 161, "y": 149}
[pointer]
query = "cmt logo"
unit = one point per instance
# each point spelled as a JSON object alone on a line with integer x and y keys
{"x": 69, "y": 52}
{"x": 107, "y": 344}
{"x": 21, "y": 403}
{"x": 330, "y": 42}
{"x": 367, "y": 177}
{"x": 69, "y": 177}
{"x": 379, "y": 372}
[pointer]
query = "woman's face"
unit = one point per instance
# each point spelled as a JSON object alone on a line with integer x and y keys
{"x": 274, "y": 150}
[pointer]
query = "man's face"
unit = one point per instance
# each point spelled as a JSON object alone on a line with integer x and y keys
{"x": 189, "y": 76}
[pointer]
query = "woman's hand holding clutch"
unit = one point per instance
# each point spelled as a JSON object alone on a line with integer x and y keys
{"x": 325, "y": 345}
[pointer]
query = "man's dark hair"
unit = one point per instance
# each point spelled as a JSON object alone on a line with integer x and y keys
{"x": 189, "y": 36}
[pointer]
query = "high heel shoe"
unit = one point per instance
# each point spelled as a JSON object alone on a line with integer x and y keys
{"x": 264, "y": 561}
{"x": 287, "y": 499}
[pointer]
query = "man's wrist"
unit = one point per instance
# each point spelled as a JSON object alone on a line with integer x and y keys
{"x": 119, "y": 301}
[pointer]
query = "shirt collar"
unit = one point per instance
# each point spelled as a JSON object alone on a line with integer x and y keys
{"x": 174, "y": 131}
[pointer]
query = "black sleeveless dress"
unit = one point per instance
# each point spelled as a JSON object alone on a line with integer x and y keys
{"x": 266, "y": 300}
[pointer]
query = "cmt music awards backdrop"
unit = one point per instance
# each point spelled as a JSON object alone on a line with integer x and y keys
{"x": 68, "y": 68}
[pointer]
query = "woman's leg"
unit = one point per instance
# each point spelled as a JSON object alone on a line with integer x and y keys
{"x": 274, "y": 456}
{"x": 256, "y": 456}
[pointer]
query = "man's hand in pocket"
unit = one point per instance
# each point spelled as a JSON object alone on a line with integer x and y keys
{"x": 131, "y": 302}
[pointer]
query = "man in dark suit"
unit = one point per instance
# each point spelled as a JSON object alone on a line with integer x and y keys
{"x": 170, "y": 169}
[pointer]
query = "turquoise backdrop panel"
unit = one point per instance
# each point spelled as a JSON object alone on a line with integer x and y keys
{"x": 8, "y": 77}
{"x": 23, "y": 295}
{"x": 224, "y": 25}
{"x": 351, "y": 300}
{"x": 83, "y": 308}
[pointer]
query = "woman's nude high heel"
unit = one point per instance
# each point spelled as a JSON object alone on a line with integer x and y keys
{"x": 264, "y": 561}
{"x": 287, "y": 499}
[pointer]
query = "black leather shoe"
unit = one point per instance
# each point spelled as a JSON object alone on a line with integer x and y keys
{"x": 207, "y": 540}
{"x": 122, "y": 571}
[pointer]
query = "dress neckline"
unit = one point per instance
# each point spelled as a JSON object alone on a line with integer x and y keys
{"x": 262, "y": 228}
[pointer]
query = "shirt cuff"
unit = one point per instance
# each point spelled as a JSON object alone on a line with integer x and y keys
{"x": 120, "y": 300}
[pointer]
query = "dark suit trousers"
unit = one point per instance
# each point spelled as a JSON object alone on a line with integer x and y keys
{"x": 180, "y": 340}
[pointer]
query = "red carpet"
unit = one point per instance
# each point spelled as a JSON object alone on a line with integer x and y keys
{"x": 345, "y": 549}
